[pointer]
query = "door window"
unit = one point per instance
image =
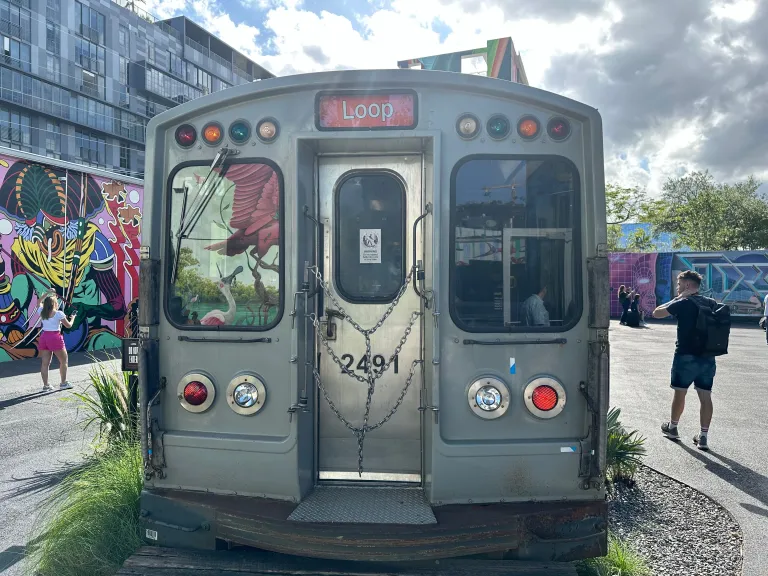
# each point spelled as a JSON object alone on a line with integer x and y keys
{"x": 370, "y": 236}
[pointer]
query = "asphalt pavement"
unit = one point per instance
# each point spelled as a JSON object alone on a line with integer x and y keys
{"x": 735, "y": 470}
{"x": 40, "y": 440}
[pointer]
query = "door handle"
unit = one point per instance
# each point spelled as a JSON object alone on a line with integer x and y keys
{"x": 418, "y": 274}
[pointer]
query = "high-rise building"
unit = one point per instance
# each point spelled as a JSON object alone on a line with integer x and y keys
{"x": 80, "y": 79}
{"x": 497, "y": 59}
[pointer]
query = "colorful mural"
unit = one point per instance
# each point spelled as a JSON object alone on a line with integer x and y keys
{"x": 739, "y": 279}
{"x": 77, "y": 234}
{"x": 501, "y": 61}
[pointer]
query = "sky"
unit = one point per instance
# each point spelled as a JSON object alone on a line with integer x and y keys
{"x": 682, "y": 85}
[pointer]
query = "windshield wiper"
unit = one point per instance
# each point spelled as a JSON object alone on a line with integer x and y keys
{"x": 204, "y": 196}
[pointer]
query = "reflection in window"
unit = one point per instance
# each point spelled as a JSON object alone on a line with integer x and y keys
{"x": 515, "y": 237}
{"x": 370, "y": 237}
{"x": 229, "y": 261}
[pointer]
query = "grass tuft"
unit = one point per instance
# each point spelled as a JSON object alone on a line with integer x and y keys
{"x": 621, "y": 560}
{"x": 89, "y": 525}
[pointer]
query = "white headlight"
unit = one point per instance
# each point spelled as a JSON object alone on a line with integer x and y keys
{"x": 246, "y": 393}
{"x": 488, "y": 398}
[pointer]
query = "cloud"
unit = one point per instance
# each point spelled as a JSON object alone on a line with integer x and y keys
{"x": 681, "y": 84}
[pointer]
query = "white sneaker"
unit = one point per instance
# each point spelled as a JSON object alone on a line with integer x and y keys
{"x": 47, "y": 388}
{"x": 65, "y": 386}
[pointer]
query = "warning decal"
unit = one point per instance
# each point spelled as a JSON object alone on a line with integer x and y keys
{"x": 370, "y": 246}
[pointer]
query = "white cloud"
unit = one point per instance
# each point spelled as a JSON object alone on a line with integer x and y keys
{"x": 303, "y": 41}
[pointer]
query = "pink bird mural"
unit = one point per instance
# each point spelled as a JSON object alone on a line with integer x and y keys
{"x": 217, "y": 317}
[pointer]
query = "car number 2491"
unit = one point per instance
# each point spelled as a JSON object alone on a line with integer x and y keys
{"x": 378, "y": 363}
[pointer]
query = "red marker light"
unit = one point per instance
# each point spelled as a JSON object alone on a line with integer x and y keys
{"x": 186, "y": 135}
{"x": 558, "y": 129}
{"x": 544, "y": 398}
{"x": 195, "y": 393}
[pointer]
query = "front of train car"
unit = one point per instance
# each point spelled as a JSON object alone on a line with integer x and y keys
{"x": 374, "y": 320}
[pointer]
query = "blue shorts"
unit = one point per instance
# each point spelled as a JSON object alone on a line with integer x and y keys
{"x": 697, "y": 370}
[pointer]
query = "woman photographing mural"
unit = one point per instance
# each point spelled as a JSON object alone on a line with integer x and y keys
{"x": 51, "y": 341}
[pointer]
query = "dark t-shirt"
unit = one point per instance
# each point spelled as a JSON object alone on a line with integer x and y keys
{"x": 686, "y": 312}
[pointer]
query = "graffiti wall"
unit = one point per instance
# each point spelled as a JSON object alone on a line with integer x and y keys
{"x": 739, "y": 279}
{"x": 500, "y": 57}
{"x": 73, "y": 233}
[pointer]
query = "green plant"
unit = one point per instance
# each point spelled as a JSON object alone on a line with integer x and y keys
{"x": 89, "y": 524}
{"x": 110, "y": 407}
{"x": 624, "y": 450}
{"x": 621, "y": 560}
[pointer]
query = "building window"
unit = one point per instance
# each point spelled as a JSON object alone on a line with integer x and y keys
{"x": 124, "y": 39}
{"x": 515, "y": 245}
{"x": 204, "y": 81}
{"x": 15, "y": 21}
{"x": 52, "y": 139}
{"x": 15, "y": 130}
{"x": 52, "y": 37}
{"x": 123, "y": 71}
{"x": 16, "y": 53}
{"x": 150, "y": 52}
{"x": 90, "y": 23}
{"x": 169, "y": 87}
{"x": 176, "y": 65}
{"x": 125, "y": 157}
{"x": 90, "y": 56}
{"x": 91, "y": 149}
{"x": 53, "y": 10}
{"x": 91, "y": 84}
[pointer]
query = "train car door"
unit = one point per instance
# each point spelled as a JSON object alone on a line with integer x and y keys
{"x": 368, "y": 206}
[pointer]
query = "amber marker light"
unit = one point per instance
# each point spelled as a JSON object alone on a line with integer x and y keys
{"x": 212, "y": 134}
{"x": 528, "y": 127}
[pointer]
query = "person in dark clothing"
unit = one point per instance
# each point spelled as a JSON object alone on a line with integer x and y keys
{"x": 688, "y": 366}
{"x": 634, "y": 317}
{"x": 624, "y": 300}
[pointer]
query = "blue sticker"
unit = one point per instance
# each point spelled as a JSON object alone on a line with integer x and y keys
{"x": 512, "y": 366}
{"x": 568, "y": 449}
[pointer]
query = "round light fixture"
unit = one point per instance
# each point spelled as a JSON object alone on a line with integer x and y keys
{"x": 468, "y": 126}
{"x": 498, "y": 127}
{"x": 544, "y": 397}
{"x": 528, "y": 127}
{"x": 196, "y": 392}
{"x": 488, "y": 398}
{"x": 246, "y": 393}
{"x": 267, "y": 130}
{"x": 240, "y": 131}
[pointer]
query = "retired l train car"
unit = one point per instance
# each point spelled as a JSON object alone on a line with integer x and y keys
{"x": 374, "y": 320}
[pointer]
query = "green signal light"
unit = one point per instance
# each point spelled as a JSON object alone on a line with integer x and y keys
{"x": 239, "y": 132}
{"x": 498, "y": 127}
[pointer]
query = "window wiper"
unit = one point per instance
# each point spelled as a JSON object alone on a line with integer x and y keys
{"x": 204, "y": 196}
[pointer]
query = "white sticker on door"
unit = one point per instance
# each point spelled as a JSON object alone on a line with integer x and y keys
{"x": 370, "y": 246}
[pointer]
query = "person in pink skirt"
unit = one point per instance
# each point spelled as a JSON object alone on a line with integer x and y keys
{"x": 51, "y": 341}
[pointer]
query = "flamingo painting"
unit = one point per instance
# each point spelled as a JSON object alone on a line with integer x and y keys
{"x": 217, "y": 317}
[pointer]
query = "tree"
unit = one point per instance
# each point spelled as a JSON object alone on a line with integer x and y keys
{"x": 709, "y": 216}
{"x": 625, "y": 205}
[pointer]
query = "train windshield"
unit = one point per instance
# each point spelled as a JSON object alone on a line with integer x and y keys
{"x": 515, "y": 238}
{"x": 228, "y": 266}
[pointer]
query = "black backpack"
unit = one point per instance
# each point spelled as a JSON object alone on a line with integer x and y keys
{"x": 713, "y": 327}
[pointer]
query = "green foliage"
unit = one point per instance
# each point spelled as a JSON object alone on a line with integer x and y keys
{"x": 624, "y": 450}
{"x": 109, "y": 407}
{"x": 90, "y": 523}
{"x": 707, "y": 215}
{"x": 621, "y": 560}
{"x": 625, "y": 205}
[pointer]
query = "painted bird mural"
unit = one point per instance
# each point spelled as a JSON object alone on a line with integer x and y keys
{"x": 217, "y": 317}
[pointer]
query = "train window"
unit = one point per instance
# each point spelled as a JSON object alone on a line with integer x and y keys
{"x": 370, "y": 236}
{"x": 514, "y": 235}
{"x": 225, "y": 262}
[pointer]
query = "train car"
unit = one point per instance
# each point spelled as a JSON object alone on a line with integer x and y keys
{"x": 374, "y": 320}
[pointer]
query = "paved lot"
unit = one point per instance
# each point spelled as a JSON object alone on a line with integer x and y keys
{"x": 40, "y": 439}
{"x": 735, "y": 470}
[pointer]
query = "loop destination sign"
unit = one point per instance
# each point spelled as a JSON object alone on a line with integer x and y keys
{"x": 379, "y": 110}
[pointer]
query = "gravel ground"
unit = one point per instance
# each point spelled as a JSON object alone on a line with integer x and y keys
{"x": 678, "y": 530}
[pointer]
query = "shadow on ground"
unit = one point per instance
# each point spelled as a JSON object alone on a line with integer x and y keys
{"x": 32, "y": 365}
{"x": 39, "y": 481}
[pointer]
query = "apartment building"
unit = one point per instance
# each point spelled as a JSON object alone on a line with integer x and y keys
{"x": 80, "y": 79}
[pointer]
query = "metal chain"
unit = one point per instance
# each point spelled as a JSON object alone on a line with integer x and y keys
{"x": 371, "y": 376}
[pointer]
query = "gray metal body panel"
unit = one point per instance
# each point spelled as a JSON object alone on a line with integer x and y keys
{"x": 464, "y": 458}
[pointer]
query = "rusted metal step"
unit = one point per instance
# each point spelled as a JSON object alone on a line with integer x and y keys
{"x": 156, "y": 561}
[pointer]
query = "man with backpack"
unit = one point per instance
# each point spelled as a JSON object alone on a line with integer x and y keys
{"x": 703, "y": 328}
